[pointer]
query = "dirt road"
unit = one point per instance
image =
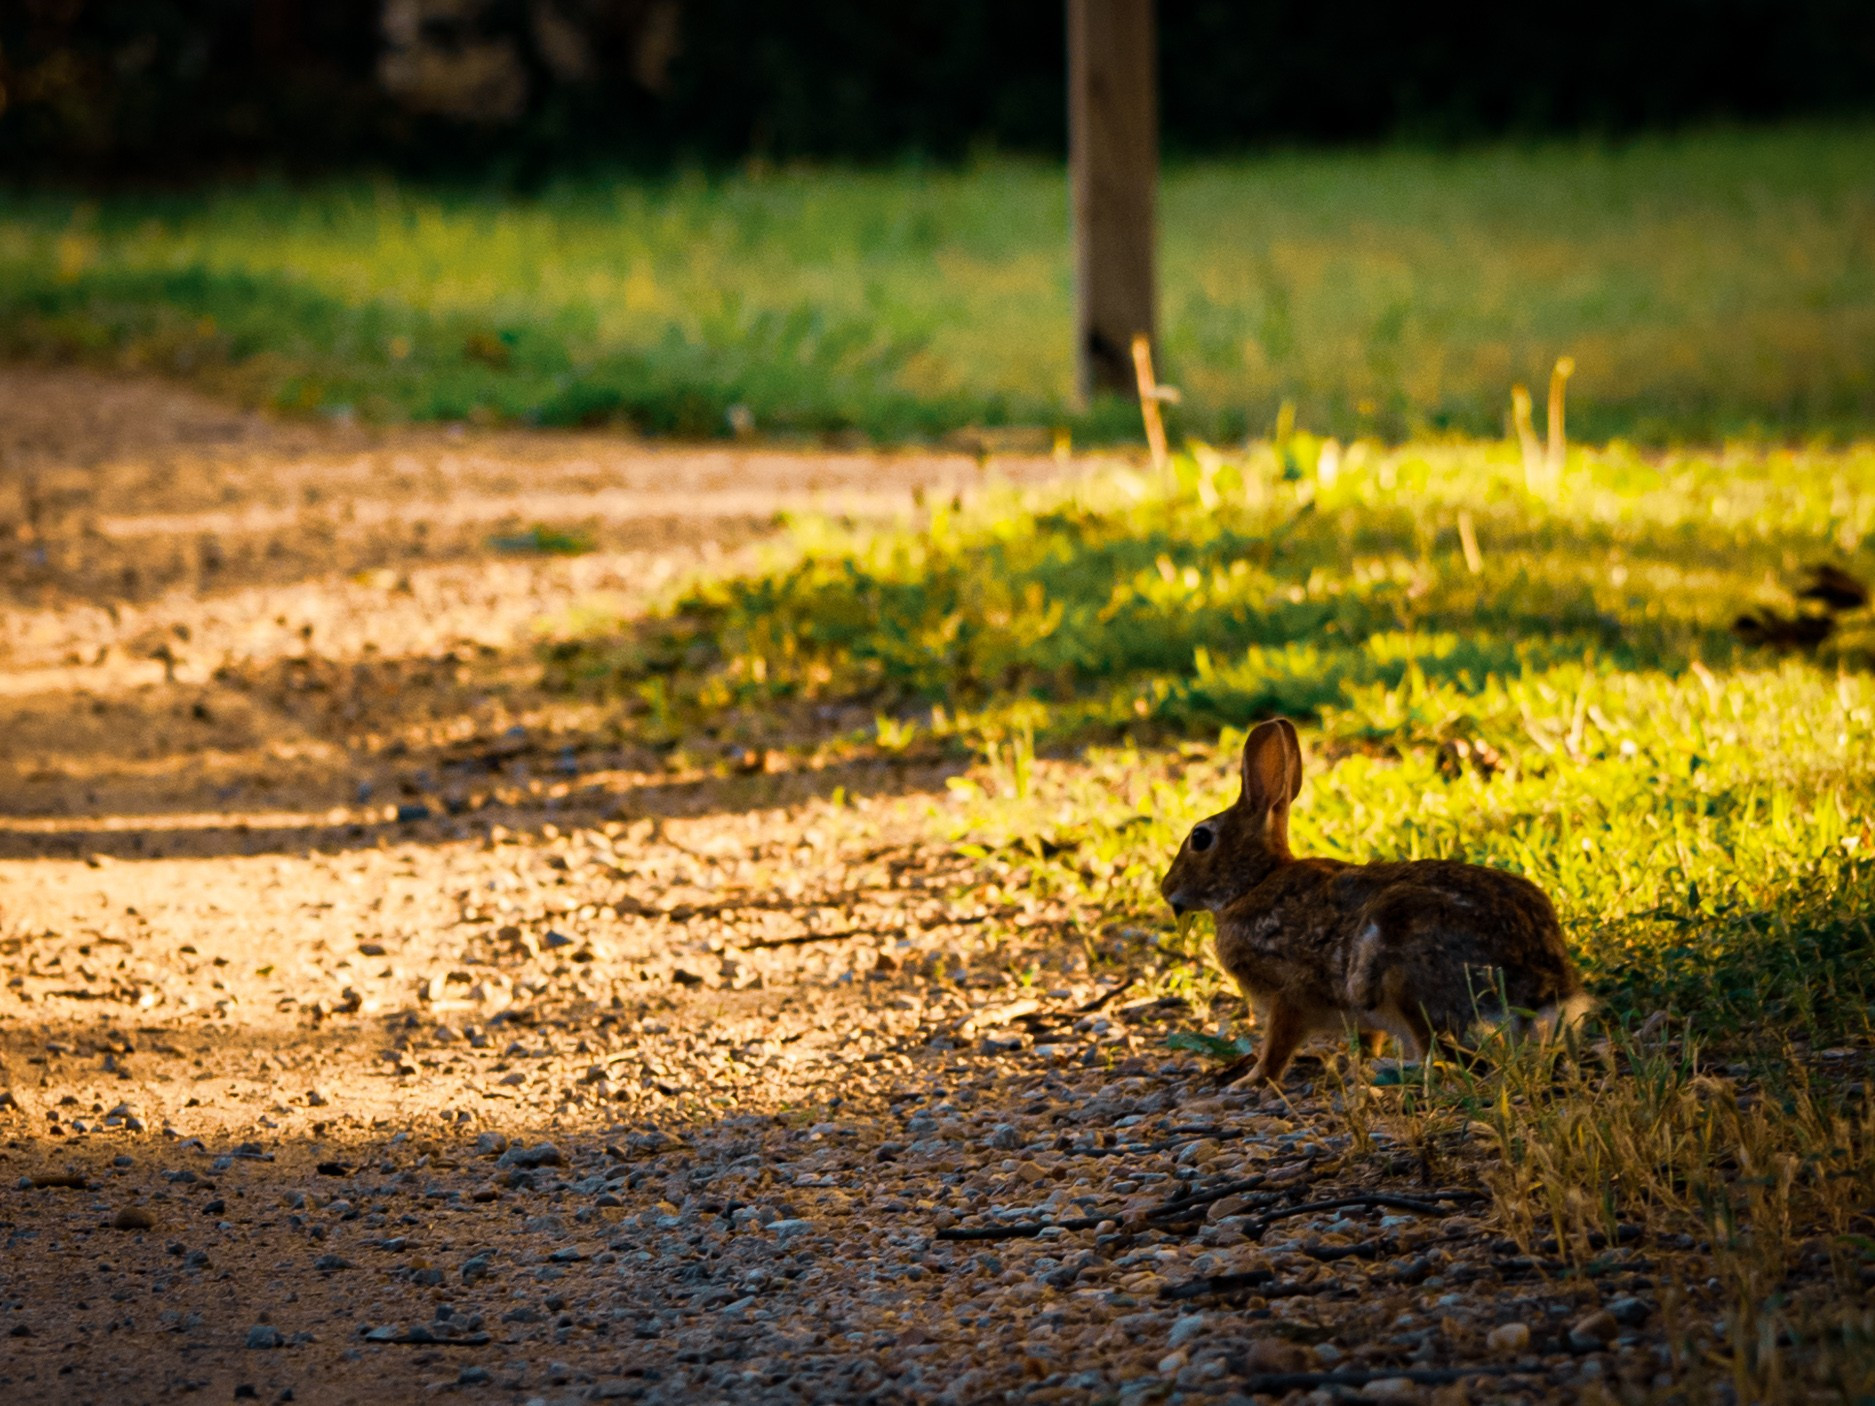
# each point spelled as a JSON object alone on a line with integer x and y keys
{"x": 376, "y": 1023}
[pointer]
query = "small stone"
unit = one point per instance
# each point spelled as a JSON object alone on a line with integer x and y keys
{"x": 410, "y": 814}
{"x": 474, "y": 1376}
{"x": 1187, "y": 1328}
{"x": 1172, "y": 1363}
{"x": 1004, "y": 1136}
{"x": 263, "y": 1336}
{"x": 329, "y": 1263}
{"x": 1392, "y": 1391}
{"x": 1508, "y": 1338}
{"x": 684, "y": 977}
{"x": 133, "y": 1218}
{"x": 490, "y": 1145}
{"x": 1275, "y": 1355}
{"x": 1629, "y": 1311}
{"x": 557, "y": 939}
{"x": 1196, "y": 1154}
{"x": 1593, "y": 1331}
{"x": 542, "y": 1154}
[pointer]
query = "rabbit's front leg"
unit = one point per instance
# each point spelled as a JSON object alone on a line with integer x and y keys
{"x": 1285, "y": 1026}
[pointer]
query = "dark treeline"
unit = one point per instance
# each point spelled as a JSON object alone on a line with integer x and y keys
{"x": 163, "y": 89}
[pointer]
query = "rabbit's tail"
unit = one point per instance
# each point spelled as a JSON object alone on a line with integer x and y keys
{"x": 1565, "y": 1014}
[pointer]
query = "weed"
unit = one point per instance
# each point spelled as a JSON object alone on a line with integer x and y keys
{"x": 543, "y": 541}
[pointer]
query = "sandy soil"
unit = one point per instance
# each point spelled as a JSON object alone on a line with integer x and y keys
{"x": 376, "y": 1024}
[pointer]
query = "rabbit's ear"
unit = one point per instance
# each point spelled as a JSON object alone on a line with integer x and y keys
{"x": 1295, "y": 756}
{"x": 1270, "y": 777}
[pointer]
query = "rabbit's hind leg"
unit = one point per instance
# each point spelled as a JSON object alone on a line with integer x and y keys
{"x": 1411, "y": 1028}
{"x": 1378, "y": 991}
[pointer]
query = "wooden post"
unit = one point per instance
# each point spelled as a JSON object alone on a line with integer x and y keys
{"x": 1113, "y": 156}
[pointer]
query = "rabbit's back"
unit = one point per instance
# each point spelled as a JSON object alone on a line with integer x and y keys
{"x": 1433, "y": 939}
{"x": 1453, "y": 940}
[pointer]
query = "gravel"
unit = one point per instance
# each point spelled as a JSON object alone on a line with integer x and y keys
{"x": 550, "y": 1085}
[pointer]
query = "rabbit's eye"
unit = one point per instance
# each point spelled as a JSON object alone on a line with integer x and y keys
{"x": 1201, "y": 838}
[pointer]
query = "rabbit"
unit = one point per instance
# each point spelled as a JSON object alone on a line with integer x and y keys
{"x": 1419, "y": 951}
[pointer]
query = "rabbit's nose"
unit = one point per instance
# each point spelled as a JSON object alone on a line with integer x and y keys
{"x": 1178, "y": 909}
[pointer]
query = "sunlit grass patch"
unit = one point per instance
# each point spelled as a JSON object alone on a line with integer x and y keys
{"x": 1706, "y": 284}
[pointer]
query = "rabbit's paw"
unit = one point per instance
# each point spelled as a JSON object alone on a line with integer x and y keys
{"x": 1257, "y": 1078}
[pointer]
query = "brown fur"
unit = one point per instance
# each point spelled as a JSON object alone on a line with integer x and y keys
{"x": 1419, "y": 951}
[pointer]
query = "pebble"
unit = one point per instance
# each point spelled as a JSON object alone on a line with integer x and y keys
{"x": 1393, "y": 1391}
{"x": 133, "y": 1218}
{"x": 1628, "y": 1311}
{"x": 1593, "y": 1331}
{"x": 1508, "y": 1337}
{"x": 1187, "y": 1328}
{"x": 543, "y": 1154}
{"x": 1276, "y": 1355}
{"x": 1198, "y": 1153}
{"x": 263, "y": 1335}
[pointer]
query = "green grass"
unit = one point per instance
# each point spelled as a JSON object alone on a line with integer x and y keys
{"x": 1700, "y": 811}
{"x": 1706, "y": 285}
